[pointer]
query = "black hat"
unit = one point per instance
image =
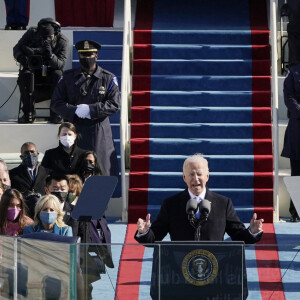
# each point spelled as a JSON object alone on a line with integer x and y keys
{"x": 46, "y": 30}
{"x": 87, "y": 46}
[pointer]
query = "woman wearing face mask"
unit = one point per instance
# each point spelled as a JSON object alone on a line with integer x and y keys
{"x": 48, "y": 217}
{"x": 63, "y": 159}
{"x": 88, "y": 165}
{"x": 12, "y": 213}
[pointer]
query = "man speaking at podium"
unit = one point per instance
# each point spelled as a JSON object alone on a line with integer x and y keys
{"x": 221, "y": 218}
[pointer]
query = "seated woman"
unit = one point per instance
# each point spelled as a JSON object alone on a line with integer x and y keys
{"x": 48, "y": 217}
{"x": 63, "y": 159}
{"x": 88, "y": 165}
{"x": 13, "y": 218}
{"x": 75, "y": 188}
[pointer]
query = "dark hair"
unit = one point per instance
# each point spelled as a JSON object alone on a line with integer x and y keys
{"x": 7, "y": 196}
{"x": 68, "y": 125}
{"x": 56, "y": 177}
{"x": 27, "y": 144}
{"x": 81, "y": 162}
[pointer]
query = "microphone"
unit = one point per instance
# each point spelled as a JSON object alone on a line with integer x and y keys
{"x": 191, "y": 208}
{"x": 204, "y": 208}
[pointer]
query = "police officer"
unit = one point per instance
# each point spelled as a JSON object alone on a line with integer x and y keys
{"x": 87, "y": 96}
{"x": 42, "y": 53}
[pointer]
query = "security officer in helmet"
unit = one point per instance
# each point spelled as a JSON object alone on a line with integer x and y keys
{"x": 87, "y": 96}
{"x": 41, "y": 53}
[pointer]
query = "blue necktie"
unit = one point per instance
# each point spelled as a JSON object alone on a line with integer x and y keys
{"x": 31, "y": 174}
{"x": 198, "y": 212}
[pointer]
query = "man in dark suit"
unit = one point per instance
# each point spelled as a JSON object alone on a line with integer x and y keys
{"x": 29, "y": 177}
{"x": 173, "y": 219}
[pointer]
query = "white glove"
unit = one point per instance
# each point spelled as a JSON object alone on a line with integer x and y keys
{"x": 83, "y": 111}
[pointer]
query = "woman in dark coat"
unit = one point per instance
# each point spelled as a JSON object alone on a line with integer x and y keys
{"x": 88, "y": 165}
{"x": 64, "y": 158}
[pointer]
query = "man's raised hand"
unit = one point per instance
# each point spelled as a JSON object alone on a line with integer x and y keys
{"x": 143, "y": 225}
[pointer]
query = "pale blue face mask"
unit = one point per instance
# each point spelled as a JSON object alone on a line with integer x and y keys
{"x": 48, "y": 218}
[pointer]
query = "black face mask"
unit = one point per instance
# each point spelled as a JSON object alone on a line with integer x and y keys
{"x": 87, "y": 62}
{"x": 88, "y": 167}
{"x": 30, "y": 159}
{"x": 62, "y": 196}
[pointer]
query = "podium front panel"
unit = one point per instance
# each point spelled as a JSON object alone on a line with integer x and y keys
{"x": 206, "y": 271}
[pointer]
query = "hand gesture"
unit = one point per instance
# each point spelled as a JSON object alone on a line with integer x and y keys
{"x": 47, "y": 50}
{"x": 256, "y": 225}
{"x": 143, "y": 225}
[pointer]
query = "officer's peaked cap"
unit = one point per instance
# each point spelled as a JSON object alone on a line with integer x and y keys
{"x": 87, "y": 46}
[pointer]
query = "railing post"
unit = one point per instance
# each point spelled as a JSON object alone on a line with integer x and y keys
{"x": 274, "y": 90}
{"x": 125, "y": 90}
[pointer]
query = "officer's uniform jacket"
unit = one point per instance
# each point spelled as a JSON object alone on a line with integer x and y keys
{"x": 101, "y": 92}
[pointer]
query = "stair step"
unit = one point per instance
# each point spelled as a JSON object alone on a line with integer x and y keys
{"x": 171, "y": 51}
{"x": 214, "y": 37}
{"x": 242, "y": 180}
{"x": 200, "y": 83}
{"x": 197, "y": 130}
{"x": 206, "y": 146}
{"x": 205, "y": 115}
{"x": 103, "y": 35}
{"x": 215, "y": 67}
{"x": 202, "y": 98}
{"x": 217, "y": 163}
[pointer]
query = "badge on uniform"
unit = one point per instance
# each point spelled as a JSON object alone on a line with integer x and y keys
{"x": 116, "y": 81}
{"x": 101, "y": 90}
{"x": 86, "y": 45}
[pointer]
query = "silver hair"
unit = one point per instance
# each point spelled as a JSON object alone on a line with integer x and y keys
{"x": 197, "y": 157}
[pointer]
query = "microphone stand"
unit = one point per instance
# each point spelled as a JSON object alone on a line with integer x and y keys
{"x": 197, "y": 223}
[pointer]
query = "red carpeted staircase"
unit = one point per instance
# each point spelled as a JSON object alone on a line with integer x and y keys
{"x": 197, "y": 88}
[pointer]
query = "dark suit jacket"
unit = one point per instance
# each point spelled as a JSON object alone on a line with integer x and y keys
{"x": 103, "y": 247}
{"x": 291, "y": 147}
{"x": 69, "y": 220}
{"x": 60, "y": 161}
{"x": 172, "y": 219}
{"x": 22, "y": 181}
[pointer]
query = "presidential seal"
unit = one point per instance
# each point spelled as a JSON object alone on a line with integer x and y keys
{"x": 200, "y": 267}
